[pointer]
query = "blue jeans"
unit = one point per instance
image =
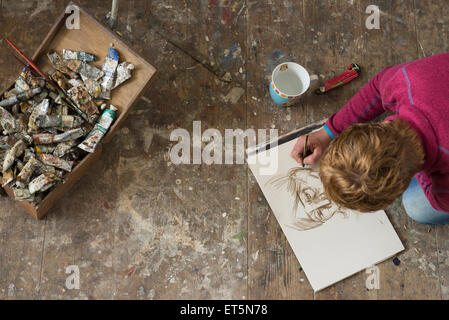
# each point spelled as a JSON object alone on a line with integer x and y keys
{"x": 419, "y": 208}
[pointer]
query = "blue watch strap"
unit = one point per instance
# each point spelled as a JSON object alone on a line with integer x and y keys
{"x": 329, "y": 131}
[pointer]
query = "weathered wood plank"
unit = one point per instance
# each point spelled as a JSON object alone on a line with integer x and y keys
{"x": 179, "y": 221}
{"x": 274, "y": 272}
{"x": 414, "y": 277}
{"x": 432, "y": 25}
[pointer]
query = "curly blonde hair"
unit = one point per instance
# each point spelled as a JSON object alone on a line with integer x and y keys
{"x": 369, "y": 165}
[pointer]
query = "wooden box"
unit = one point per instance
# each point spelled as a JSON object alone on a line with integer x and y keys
{"x": 94, "y": 38}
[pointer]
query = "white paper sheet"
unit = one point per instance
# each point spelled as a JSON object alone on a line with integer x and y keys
{"x": 343, "y": 245}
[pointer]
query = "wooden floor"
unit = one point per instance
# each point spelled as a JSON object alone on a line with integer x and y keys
{"x": 139, "y": 227}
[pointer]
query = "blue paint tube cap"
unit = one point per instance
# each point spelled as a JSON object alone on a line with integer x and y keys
{"x": 113, "y": 54}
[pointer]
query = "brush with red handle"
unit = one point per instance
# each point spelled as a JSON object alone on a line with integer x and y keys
{"x": 50, "y": 81}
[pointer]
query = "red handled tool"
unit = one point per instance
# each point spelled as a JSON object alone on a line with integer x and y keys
{"x": 351, "y": 73}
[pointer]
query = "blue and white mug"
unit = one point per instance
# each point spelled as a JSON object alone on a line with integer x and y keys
{"x": 289, "y": 81}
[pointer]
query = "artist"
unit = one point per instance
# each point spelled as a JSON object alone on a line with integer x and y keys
{"x": 366, "y": 166}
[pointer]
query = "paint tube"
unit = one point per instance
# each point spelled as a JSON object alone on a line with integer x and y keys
{"x": 42, "y": 182}
{"x": 8, "y": 177}
{"x": 23, "y": 136}
{"x": 22, "y": 194}
{"x": 28, "y": 154}
{"x": 57, "y": 62}
{"x": 43, "y": 138}
{"x": 10, "y": 93}
{"x": 59, "y": 78}
{"x": 23, "y": 178}
{"x": 47, "y": 121}
{"x": 109, "y": 69}
{"x": 63, "y": 147}
{"x": 69, "y": 135}
{"x": 97, "y": 133}
{"x": 22, "y": 96}
{"x": 7, "y": 121}
{"x": 74, "y": 154}
{"x": 44, "y": 148}
{"x": 21, "y": 85}
{"x": 41, "y": 96}
{"x": 48, "y": 138}
{"x": 6, "y": 142}
{"x": 85, "y": 69}
{"x": 19, "y": 166}
{"x": 123, "y": 73}
{"x": 61, "y": 65}
{"x": 39, "y": 110}
{"x": 13, "y": 153}
{"x": 76, "y": 82}
{"x": 62, "y": 109}
{"x": 93, "y": 87}
{"x": 25, "y": 107}
{"x": 43, "y": 168}
{"x": 81, "y": 97}
{"x": 76, "y": 55}
{"x": 51, "y": 160}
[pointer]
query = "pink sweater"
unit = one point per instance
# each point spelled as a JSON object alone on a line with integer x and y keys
{"x": 418, "y": 93}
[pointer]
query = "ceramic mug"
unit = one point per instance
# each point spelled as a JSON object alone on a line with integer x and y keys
{"x": 289, "y": 81}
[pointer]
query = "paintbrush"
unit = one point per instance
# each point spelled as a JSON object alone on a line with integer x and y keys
{"x": 58, "y": 89}
{"x": 304, "y": 153}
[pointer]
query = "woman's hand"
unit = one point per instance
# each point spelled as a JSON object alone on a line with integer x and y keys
{"x": 317, "y": 143}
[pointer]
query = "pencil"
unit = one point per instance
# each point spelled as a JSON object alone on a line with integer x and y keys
{"x": 305, "y": 150}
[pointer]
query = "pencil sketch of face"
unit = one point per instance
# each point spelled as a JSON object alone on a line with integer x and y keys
{"x": 311, "y": 208}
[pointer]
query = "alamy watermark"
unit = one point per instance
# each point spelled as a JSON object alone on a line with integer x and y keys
{"x": 373, "y": 280}
{"x": 373, "y": 20}
{"x": 190, "y": 150}
{"x": 73, "y": 20}
{"x": 73, "y": 280}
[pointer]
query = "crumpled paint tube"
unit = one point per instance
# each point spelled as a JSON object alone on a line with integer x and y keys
{"x": 109, "y": 69}
{"x": 22, "y": 135}
{"x": 39, "y": 110}
{"x": 81, "y": 97}
{"x": 13, "y": 153}
{"x": 28, "y": 154}
{"x": 74, "y": 154}
{"x": 57, "y": 62}
{"x": 51, "y": 160}
{"x": 43, "y": 168}
{"x": 23, "y": 178}
{"x": 59, "y": 78}
{"x": 22, "y": 96}
{"x": 47, "y": 121}
{"x": 47, "y": 138}
{"x": 21, "y": 85}
{"x": 85, "y": 69}
{"x": 63, "y": 147}
{"x": 76, "y": 55}
{"x": 6, "y": 142}
{"x": 123, "y": 73}
{"x": 19, "y": 166}
{"x": 45, "y": 148}
{"x": 8, "y": 176}
{"x": 42, "y": 182}
{"x": 43, "y": 138}
{"x": 76, "y": 82}
{"x": 25, "y": 106}
{"x": 41, "y": 96}
{"x": 7, "y": 121}
{"x": 93, "y": 87}
{"x": 97, "y": 133}
{"x": 22, "y": 194}
{"x": 69, "y": 135}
